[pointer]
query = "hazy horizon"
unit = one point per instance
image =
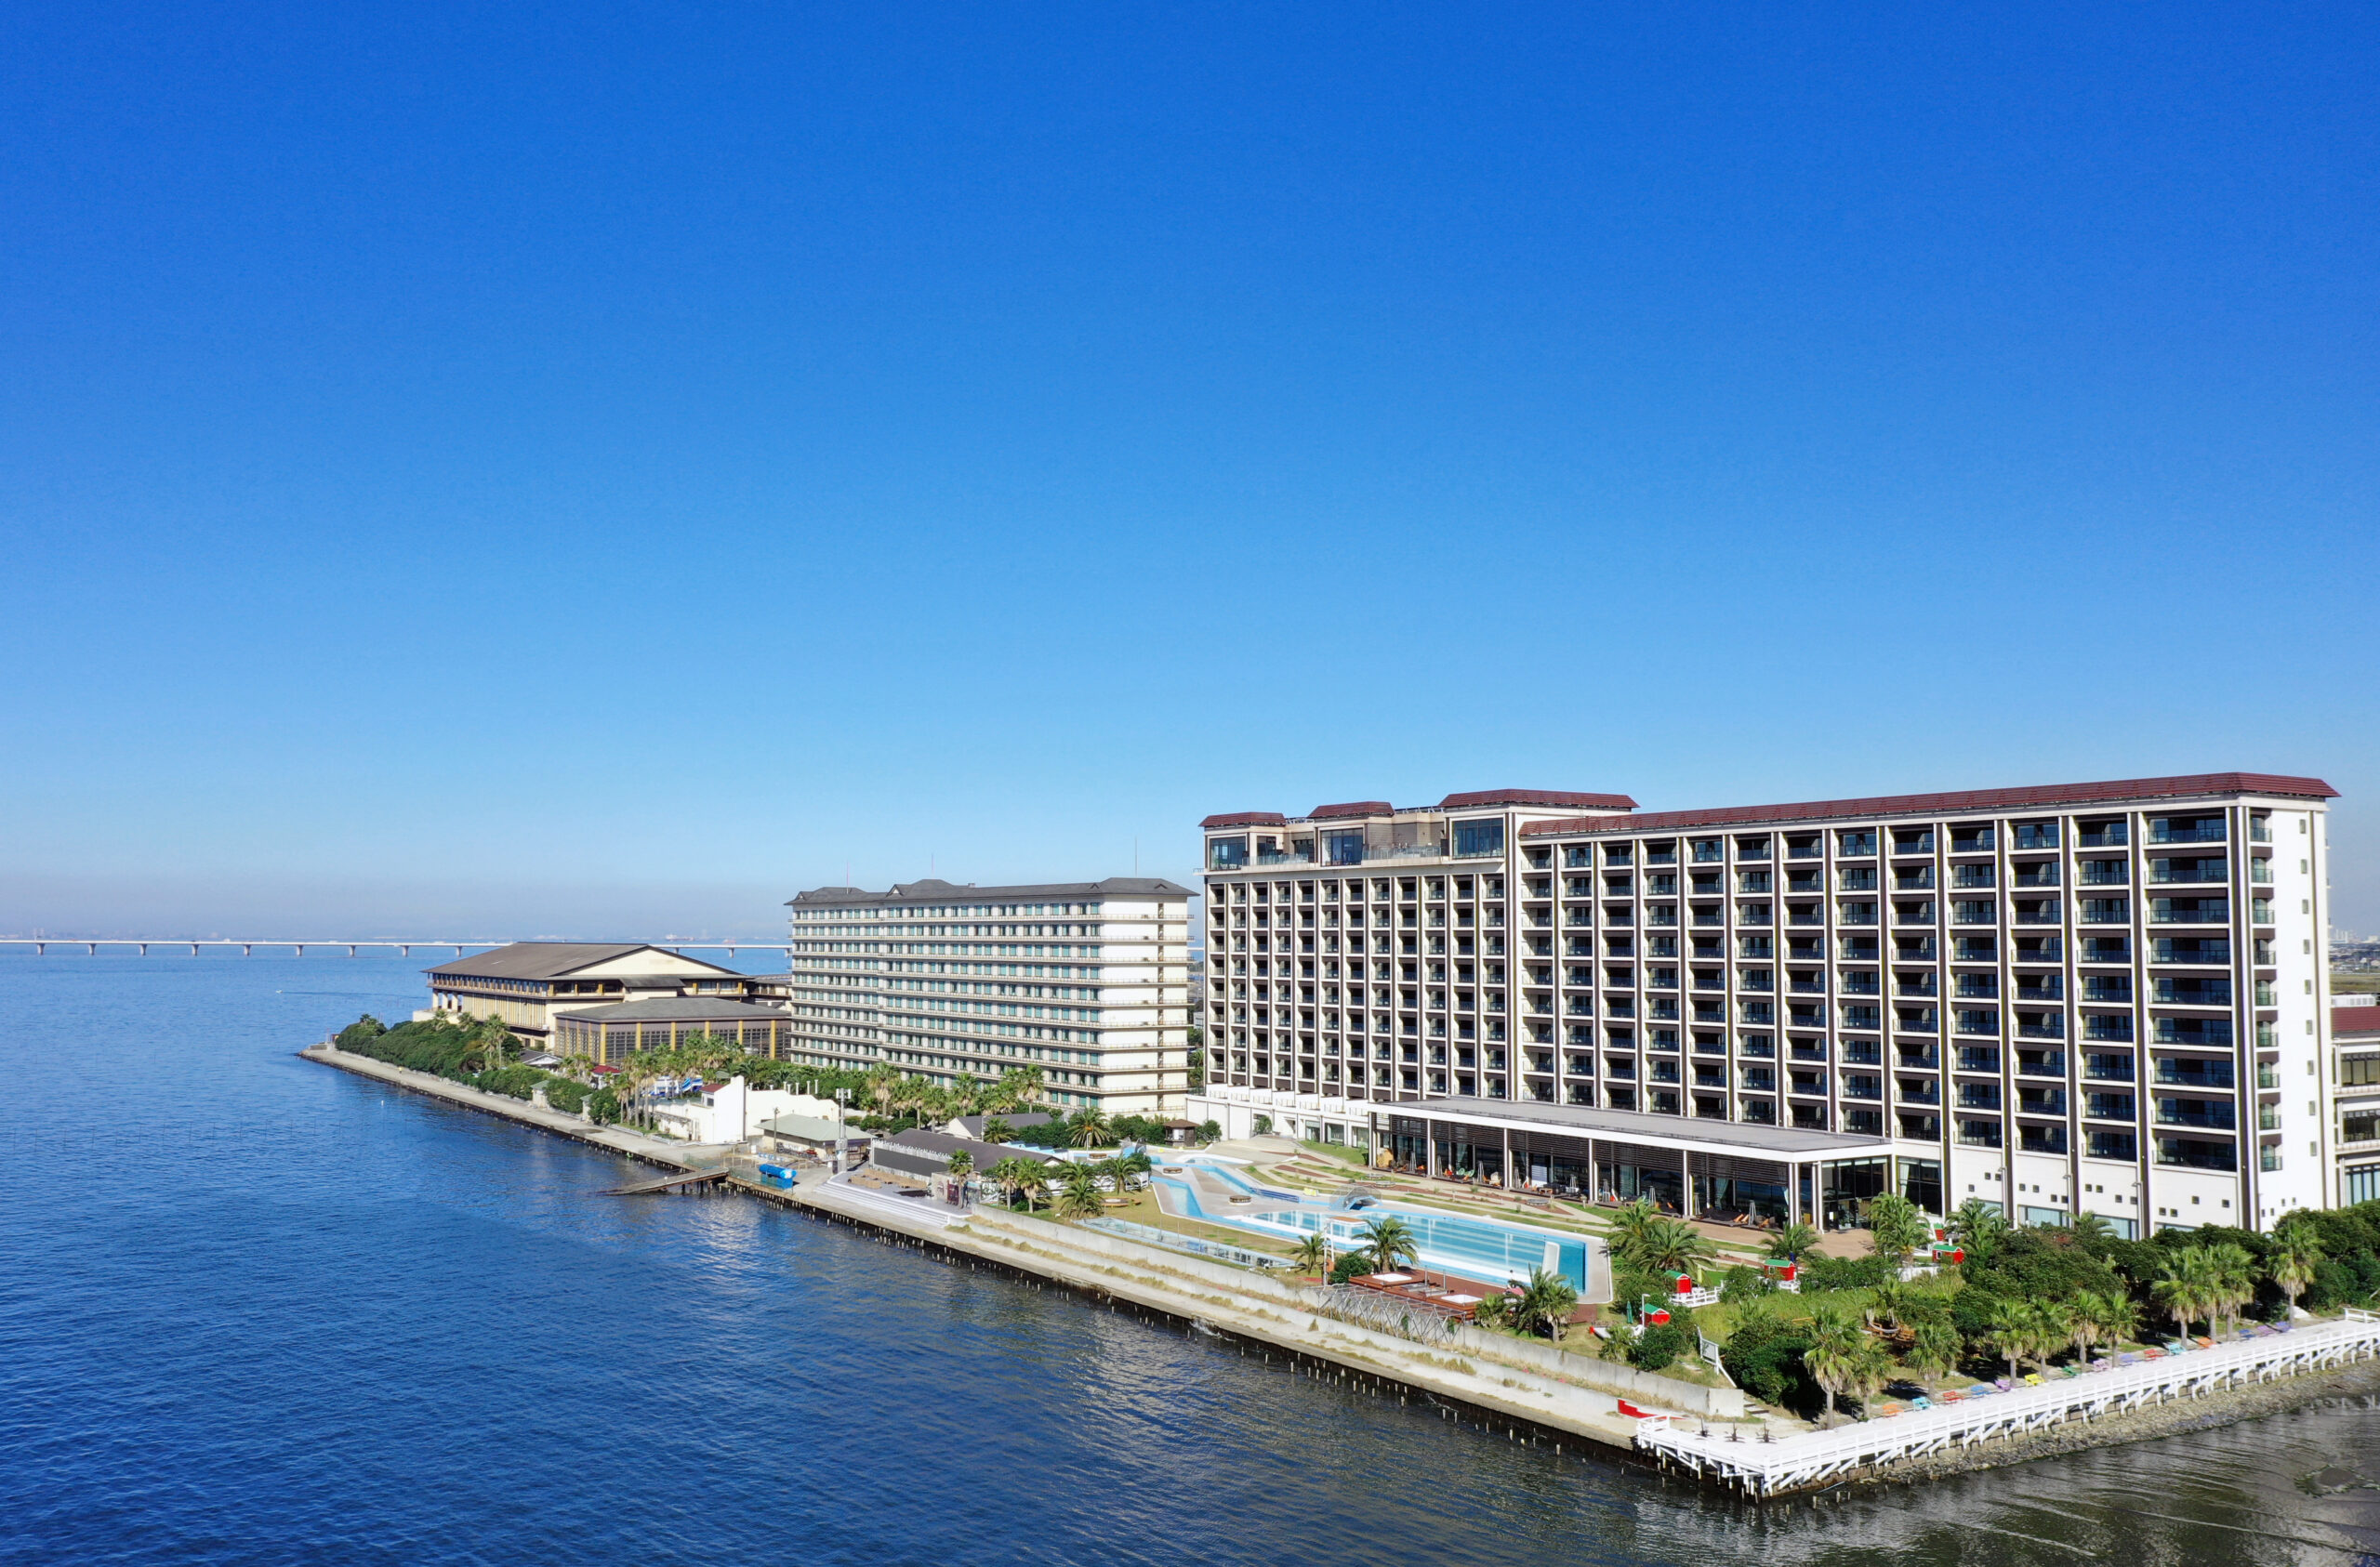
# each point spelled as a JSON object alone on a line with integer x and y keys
{"x": 605, "y": 472}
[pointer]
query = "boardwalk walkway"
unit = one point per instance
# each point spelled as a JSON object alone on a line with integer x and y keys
{"x": 1811, "y": 1458}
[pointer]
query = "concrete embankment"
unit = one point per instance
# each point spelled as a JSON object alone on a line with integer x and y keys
{"x": 616, "y": 1139}
{"x": 1530, "y": 1390}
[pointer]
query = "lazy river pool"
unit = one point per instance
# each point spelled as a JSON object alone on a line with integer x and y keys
{"x": 1485, "y": 1248}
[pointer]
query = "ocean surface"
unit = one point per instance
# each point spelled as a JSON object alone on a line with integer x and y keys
{"x": 257, "y": 1310}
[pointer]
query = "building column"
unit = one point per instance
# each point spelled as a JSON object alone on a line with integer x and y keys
{"x": 1508, "y": 1159}
{"x": 1429, "y": 1147}
{"x": 1686, "y": 1182}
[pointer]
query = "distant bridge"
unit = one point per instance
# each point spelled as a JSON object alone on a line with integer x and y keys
{"x": 402, "y": 945}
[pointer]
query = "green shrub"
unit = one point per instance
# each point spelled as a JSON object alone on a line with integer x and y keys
{"x": 603, "y": 1106}
{"x": 565, "y": 1095}
{"x": 1765, "y": 1358}
{"x": 1657, "y": 1349}
{"x": 360, "y": 1033}
{"x": 1847, "y": 1272}
{"x": 1350, "y": 1265}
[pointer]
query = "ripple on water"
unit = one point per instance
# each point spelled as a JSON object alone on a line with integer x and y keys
{"x": 259, "y": 1311}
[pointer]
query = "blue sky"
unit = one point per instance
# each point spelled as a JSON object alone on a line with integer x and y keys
{"x": 584, "y": 470}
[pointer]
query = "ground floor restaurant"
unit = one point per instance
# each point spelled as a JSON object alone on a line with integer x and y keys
{"x": 1724, "y": 1173}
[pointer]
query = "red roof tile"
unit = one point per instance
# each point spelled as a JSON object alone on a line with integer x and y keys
{"x": 1353, "y": 807}
{"x": 1535, "y": 797}
{"x": 2355, "y": 1020}
{"x": 1957, "y": 803}
{"x": 1246, "y": 818}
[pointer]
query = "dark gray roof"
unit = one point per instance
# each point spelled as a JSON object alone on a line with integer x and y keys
{"x": 985, "y": 1154}
{"x": 974, "y": 1124}
{"x": 676, "y": 1008}
{"x": 1636, "y": 1126}
{"x": 944, "y": 891}
{"x": 551, "y": 960}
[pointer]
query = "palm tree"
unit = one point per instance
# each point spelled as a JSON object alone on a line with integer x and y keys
{"x": 1788, "y": 1243}
{"x": 962, "y": 1164}
{"x": 997, "y": 1129}
{"x": 1870, "y": 1369}
{"x": 1978, "y": 1226}
{"x": 1545, "y": 1303}
{"x": 1887, "y": 1302}
{"x": 2232, "y": 1272}
{"x": 879, "y": 1086}
{"x": 1937, "y": 1348}
{"x": 2053, "y": 1329}
{"x": 1131, "y": 1168}
{"x": 2015, "y": 1327}
{"x": 2290, "y": 1260}
{"x": 1078, "y": 1192}
{"x": 1896, "y": 1227}
{"x": 1032, "y": 1178}
{"x": 1670, "y": 1246}
{"x": 1088, "y": 1128}
{"x": 1628, "y": 1226}
{"x": 1005, "y": 1174}
{"x": 1312, "y": 1254}
{"x": 2181, "y": 1286}
{"x": 1837, "y": 1345}
{"x": 1391, "y": 1243}
{"x": 2086, "y": 1320}
{"x": 2091, "y": 1232}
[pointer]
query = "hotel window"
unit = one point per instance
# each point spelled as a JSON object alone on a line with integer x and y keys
{"x": 1480, "y": 837}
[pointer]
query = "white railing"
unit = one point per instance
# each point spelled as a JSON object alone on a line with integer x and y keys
{"x": 1798, "y": 1462}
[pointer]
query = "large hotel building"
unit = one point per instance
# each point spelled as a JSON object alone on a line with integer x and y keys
{"x": 1088, "y": 980}
{"x": 2093, "y": 997}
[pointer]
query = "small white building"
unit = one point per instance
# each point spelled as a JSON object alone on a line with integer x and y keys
{"x": 731, "y": 1111}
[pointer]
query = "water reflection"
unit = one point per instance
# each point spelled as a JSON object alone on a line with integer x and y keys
{"x": 264, "y": 1312}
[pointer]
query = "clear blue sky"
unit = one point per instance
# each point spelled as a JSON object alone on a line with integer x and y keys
{"x": 590, "y": 470}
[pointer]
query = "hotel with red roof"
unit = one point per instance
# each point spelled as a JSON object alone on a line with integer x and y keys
{"x": 2104, "y": 999}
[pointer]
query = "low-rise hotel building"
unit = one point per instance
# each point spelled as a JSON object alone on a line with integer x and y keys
{"x": 530, "y": 985}
{"x": 2102, "y": 997}
{"x": 1087, "y": 981}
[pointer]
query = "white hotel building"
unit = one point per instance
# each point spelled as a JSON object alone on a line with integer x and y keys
{"x": 1088, "y": 980}
{"x": 2097, "y": 997}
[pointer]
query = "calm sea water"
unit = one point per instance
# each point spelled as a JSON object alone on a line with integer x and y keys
{"x": 255, "y": 1311}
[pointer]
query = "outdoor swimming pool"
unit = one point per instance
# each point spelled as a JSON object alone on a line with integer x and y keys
{"x": 1480, "y": 1248}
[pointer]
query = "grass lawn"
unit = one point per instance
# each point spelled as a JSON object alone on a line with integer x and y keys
{"x": 1140, "y": 1208}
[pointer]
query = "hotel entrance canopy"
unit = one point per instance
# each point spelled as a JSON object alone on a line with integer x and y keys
{"x": 1785, "y": 1173}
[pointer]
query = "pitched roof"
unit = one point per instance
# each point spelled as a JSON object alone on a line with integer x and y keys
{"x": 2355, "y": 1020}
{"x": 974, "y": 1124}
{"x": 1353, "y": 807}
{"x": 1955, "y": 803}
{"x": 551, "y": 960}
{"x": 985, "y": 1154}
{"x": 675, "y": 1008}
{"x": 1564, "y": 798}
{"x": 1246, "y": 819}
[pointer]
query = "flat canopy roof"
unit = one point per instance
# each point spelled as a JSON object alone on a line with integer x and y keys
{"x": 674, "y": 1009}
{"x": 1731, "y": 1137}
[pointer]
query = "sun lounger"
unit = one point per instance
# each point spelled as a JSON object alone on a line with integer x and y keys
{"x": 2130, "y": 1357}
{"x": 2204, "y": 1343}
{"x": 1981, "y": 1390}
{"x": 1953, "y": 1395}
{"x": 1921, "y": 1403}
{"x": 2004, "y": 1384}
{"x": 2032, "y": 1379}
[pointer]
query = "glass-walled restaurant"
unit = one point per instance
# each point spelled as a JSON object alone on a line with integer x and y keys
{"x": 1724, "y": 1173}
